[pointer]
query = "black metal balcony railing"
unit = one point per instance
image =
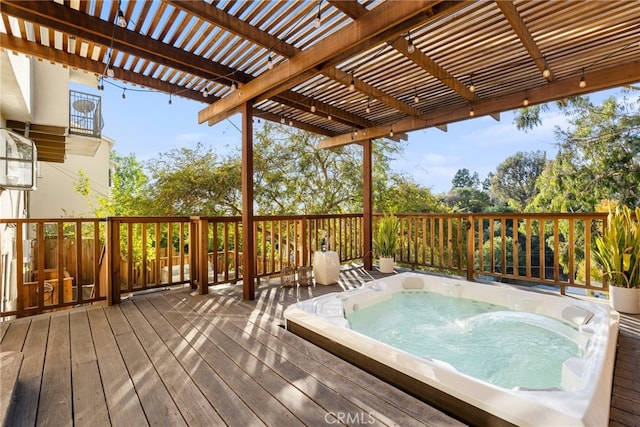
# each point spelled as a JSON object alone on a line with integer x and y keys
{"x": 85, "y": 114}
{"x": 52, "y": 264}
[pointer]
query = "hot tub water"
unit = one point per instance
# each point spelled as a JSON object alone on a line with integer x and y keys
{"x": 489, "y": 342}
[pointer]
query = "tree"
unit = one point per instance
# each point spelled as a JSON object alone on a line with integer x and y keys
{"x": 194, "y": 181}
{"x": 468, "y": 199}
{"x": 598, "y": 158}
{"x": 514, "y": 182}
{"x": 128, "y": 194}
{"x": 464, "y": 178}
{"x": 399, "y": 193}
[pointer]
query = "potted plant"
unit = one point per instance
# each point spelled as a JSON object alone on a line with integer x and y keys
{"x": 385, "y": 242}
{"x": 618, "y": 253}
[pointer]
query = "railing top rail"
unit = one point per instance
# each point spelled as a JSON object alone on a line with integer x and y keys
{"x": 56, "y": 220}
{"x": 149, "y": 218}
{"x": 314, "y": 216}
{"x": 562, "y": 215}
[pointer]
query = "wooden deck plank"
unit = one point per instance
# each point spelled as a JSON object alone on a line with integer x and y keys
{"x": 10, "y": 363}
{"x": 625, "y": 396}
{"x": 307, "y": 408}
{"x": 229, "y": 405}
{"x": 55, "y": 405}
{"x": 89, "y": 404}
{"x": 122, "y": 401}
{"x": 262, "y": 403}
{"x": 15, "y": 336}
{"x": 240, "y": 365}
{"x": 24, "y": 407}
{"x": 344, "y": 395}
{"x": 158, "y": 406}
{"x": 190, "y": 401}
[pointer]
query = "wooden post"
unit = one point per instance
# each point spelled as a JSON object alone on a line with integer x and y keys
{"x": 367, "y": 202}
{"x": 113, "y": 261}
{"x": 248, "y": 248}
{"x": 471, "y": 239}
{"x": 203, "y": 252}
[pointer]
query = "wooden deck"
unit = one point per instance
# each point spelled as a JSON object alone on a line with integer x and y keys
{"x": 177, "y": 358}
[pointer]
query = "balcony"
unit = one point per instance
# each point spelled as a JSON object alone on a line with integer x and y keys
{"x": 85, "y": 116}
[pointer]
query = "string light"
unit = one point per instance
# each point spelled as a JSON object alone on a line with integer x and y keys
{"x": 368, "y": 109}
{"x": 290, "y": 122}
{"x": 525, "y": 102}
{"x": 352, "y": 85}
{"x": 583, "y": 81}
{"x": 170, "y": 99}
{"x": 270, "y": 61}
{"x": 410, "y": 46}
{"x": 313, "y": 108}
{"x": 124, "y": 96}
{"x": 546, "y": 72}
{"x": 390, "y": 132}
{"x": 234, "y": 86}
{"x": 472, "y": 113}
{"x": 329, "y": 117}
{"x": 282, "y": 119}
{"x": 120, "y": 19}
{"x": 415, "y": 96}
{"x": 472, "y": 87}
{"x": 318, "y": 19}
{"x": 110, "y": 72}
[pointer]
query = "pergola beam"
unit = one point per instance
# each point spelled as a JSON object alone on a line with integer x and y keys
{"x": 520, "y": 28}
{"x": 617, "y": 75}
{"x": 384, "y": 17}
{"x": 56, "y": 16}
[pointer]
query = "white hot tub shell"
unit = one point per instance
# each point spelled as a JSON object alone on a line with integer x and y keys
{"x": 583, "y": 400}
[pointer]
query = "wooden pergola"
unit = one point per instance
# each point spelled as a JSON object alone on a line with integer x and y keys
{"x": 348, "y": 70}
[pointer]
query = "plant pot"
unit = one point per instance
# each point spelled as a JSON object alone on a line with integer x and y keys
{"x": 386, "y": 265}
{"x": 624, "y": 300}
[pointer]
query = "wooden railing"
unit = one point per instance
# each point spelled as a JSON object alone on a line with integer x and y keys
{"x": 45, "y": 261}
{"x": 549, "y": 249}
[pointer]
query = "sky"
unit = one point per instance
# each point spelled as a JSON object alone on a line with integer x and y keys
{"x": 145, "y": 124}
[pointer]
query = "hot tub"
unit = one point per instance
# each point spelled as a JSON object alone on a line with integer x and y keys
{"x": 580, "y": 398}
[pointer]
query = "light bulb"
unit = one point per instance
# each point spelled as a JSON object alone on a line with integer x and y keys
{"x": 472, "y": 113}
{"x": 290, "y": 122}
{"x": 368, "y": 109}
{"x": 234, "y": 86}
{"x": 110, "y": 72}
{"x": 391, "y": 133}
{"x": 416, "y": 99}
{"x": 352, "y": 86}
{"x": 282, "y": 119}
{"x": 318, "y": 20}
{"x": 123, "y": 94}
{"x": 329, "y": 117}
{"x": 313, "y": 108}
{"x": 205, "y": 93}
{"x": 410, "y": 46}
{"x": 546, "y": 72}
{"x": 525, "y": 102}
{"x": 583, "y": 81}
{"x": 120, "y": 20}
{"x": 472, "y": 88}
{"x": 270, "y": 62}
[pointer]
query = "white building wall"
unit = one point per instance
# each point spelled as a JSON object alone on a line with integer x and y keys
{"x": 56, "y": 196}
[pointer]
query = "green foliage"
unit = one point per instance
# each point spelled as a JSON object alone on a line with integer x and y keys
{"x": 399, "y": 193}
{"x": 194, "y": 181}
{"x": 464, "y": 178}
{"x": 597, "y": 158}
{"x": 468, "y": 199}
{"x": 618, "y": 249}
{"x": 385, "y": 242}
{"x": 514, "y": 182}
